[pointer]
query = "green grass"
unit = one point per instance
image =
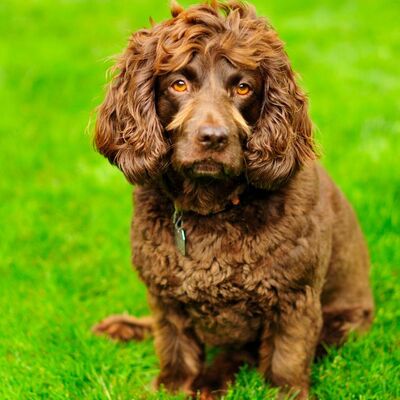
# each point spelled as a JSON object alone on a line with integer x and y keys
{"x": 65, "y": 213}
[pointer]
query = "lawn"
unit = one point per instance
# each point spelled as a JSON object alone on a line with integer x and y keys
{"x": 65, "y": 212}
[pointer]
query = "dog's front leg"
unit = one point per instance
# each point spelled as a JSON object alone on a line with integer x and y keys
{"x": 287, "y": 348}
{"x": 180, "y": 353}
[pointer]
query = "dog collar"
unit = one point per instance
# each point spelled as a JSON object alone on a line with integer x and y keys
{"x": 179, "y": 230}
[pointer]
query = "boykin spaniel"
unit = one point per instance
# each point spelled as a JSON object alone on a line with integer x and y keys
{"x": 241, "y": 237}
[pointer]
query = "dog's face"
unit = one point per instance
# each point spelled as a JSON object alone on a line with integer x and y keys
{"x": 208, "y": 108}
{"x": 209, "y": 93}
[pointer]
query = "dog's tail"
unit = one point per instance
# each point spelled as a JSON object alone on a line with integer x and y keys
{"x": 123, "y": 328}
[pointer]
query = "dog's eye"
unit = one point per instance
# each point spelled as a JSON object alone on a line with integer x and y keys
{"x": 180, "y": 86}
{"x": 242, "y": 89}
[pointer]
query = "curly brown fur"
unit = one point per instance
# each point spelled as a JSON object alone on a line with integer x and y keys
{"x": 206, "y": 116}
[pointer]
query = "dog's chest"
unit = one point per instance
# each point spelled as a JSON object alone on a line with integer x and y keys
{"x": 225, "y": 297}
{"x": 222, "y": 281}
{"x": 222, "y": 261}
{"x": 206, "y": 274}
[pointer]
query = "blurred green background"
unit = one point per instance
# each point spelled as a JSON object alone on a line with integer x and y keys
{"x": 65, "y": 212}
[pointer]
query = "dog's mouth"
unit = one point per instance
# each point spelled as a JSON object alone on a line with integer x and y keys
{"x": 207, "y": 169}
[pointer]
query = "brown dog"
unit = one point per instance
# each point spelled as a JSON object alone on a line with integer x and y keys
{"x": 243, "y": 240}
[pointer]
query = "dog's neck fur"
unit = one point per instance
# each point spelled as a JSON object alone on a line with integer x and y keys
{"x": 203, "y": 197}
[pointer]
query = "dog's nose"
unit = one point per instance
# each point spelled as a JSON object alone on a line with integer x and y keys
{"x": 213, "y": 137}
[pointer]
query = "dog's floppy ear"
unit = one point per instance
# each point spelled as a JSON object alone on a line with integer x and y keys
{"x": 282, "y": 140}
{"x": 128, "y": 131}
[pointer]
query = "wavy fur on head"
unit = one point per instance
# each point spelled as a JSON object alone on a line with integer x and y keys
{"x": 128, "y": 130}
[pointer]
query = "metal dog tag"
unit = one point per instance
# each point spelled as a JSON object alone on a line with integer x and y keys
{"x": 179, "y": 232}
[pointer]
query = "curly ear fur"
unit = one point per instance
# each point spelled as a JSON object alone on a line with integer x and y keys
{"x": 128, "y": 131}
{"x": 282, "y": 139}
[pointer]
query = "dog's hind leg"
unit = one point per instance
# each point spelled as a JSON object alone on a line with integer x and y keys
{"x": 124, "y": 328}
{"x": 346, "y": 298}
{"x": 339, "y": 323}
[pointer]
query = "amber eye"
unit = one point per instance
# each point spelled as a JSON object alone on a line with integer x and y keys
{"x": 180, "y": 86}
{"x": 242, "y": 89}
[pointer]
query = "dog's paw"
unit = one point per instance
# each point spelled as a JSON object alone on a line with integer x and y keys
{"x": 123, "y": 328}
{"x": 207, "y": 395}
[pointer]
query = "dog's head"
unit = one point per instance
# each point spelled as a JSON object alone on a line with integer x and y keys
{"x": 211, "y": 93}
